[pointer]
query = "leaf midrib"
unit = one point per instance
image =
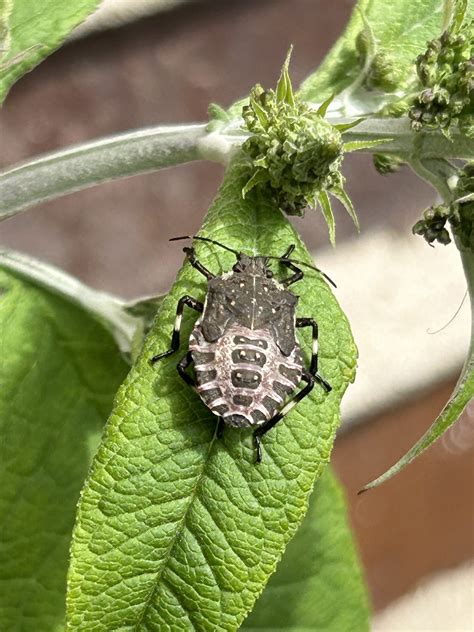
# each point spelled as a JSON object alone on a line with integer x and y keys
{"x": 179, "y": 532}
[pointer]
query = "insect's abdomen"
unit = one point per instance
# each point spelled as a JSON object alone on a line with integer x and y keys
{"x": 243, "y": 377}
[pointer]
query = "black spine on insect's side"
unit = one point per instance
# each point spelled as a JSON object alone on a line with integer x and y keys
{"x": 184, "y": 300}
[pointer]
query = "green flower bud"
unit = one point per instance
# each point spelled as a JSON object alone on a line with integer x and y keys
{"x": 432, "y": 226}
{"x": 387, "y": 164}
{"x": 446, "y": 73}
{"x": 296, "y": 152}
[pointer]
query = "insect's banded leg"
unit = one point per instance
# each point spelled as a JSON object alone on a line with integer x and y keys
{"x": 268, "y": 425}
{"x": 220, "y": 428}
{"x": 194, "y": 261}
{"x": 184, "y": 300}
{"x": 298, "y": 274}
{"x": 182, "y": 366}
{"x": 313, "y": 369}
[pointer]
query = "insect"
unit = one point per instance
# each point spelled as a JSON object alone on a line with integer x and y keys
{"x": 247, "y": 361}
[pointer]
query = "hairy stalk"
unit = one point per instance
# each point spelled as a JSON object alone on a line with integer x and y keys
{"x": 86, "y": 165}
{"x": 141, "y": 151}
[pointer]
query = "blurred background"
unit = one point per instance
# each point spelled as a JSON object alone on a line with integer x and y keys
{"x": 140, "y": 63}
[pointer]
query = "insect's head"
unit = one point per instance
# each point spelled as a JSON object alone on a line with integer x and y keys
{"x": 252, "y": 265}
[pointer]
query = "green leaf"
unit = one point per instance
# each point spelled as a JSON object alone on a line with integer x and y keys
{"x": 458, "y": 12}
{"x": 357, "y": 145}
{"x": 284, "y": 89}
{"x": 325, "y": 202}
{"x": 121, "y": 318}
{"x": 462, "y": 395}
{"x": 318, "y": 585}
{"x": 260, "y": 176}
{"x": 344, "y": 127}
{"x": 35, "y": 30}
{"x": 345, "y": 200}
{"x": 177, "y": 529}
{"x": 323, "y": 108}
{"x": 400, "y": 31}
{"x": 59, "y": 372}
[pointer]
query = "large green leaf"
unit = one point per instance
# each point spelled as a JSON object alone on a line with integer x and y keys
{"x": 179, "y": 530}
{"x": 394, "y": 34}
{"x": 462, "y": 395}
{"x": 318, "y": 585}
{"x": 30, "y": 30}
{"x": 59, "y": 371}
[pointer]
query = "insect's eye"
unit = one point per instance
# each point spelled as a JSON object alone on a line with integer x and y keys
{"x": 269, "y": 274}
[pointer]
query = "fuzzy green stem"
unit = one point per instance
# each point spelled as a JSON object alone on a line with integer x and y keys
{"x": 82, "y": 166}
{"x": 141, "y": 151}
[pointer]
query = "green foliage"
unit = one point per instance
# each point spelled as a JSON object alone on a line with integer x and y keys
{"x": 446, "y": 72}
{"x": 185, "y": 528}
{"x": 30, "y": 31}
{"x": 372, "y": 62}
{"x": 317, "y": 585}
{"x": 59, "y": 372}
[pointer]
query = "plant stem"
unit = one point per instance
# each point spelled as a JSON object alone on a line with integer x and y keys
{"x": 141, "y": 151}
{"x": 82, "y": 166}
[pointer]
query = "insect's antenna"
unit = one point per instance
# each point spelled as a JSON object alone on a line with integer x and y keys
{"x": 308, "y": 265}
{"x": 211, "y": 241}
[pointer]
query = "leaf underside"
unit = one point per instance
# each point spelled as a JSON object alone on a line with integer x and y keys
{"x": 400, "y": 29}
{"x": 318, "y": 585}
{"x": 58, "y": 375}
{"x": 33, "y": 31}
{"x": 175, "y": 528}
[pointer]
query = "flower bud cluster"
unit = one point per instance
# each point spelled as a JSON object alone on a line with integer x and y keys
{"x": 446, "y": 72}
{"x": 432, "y": 226}
{"x": 295, "y": 153}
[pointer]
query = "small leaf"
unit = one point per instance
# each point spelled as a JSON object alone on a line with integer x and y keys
{"x": 345, "y": 200}
{"x": 35, "y": 31}
{"x": 462, "y": 395}
{"x": 318, "y": 585}
{"x": 343, "y": 127}
{"x": 184, "y": 528}
{"x": 260, "y": 112}
{"x": 328, "y": 215}
{"x": 324, "y": 106}
{"x": 458, "y": 8}
{"x": 465, "y": 198}
{"x": 284, "y": 90}
{"x": 259, "y": 177}
{"x": 59, "y": 372}
{"x": 357, "y": 145}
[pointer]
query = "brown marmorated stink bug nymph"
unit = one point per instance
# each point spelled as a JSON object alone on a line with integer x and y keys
{"x": 246, "y": 358}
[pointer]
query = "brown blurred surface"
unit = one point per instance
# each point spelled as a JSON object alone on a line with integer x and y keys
{"x": 166, "y": 69}
{"x": 422, "y": 520}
